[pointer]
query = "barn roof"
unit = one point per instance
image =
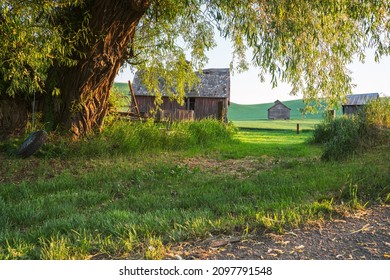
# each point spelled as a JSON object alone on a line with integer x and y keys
{"x": 215, "y": 82}
{"x": 277, "y": 102}
{"x": 360, "y": 99}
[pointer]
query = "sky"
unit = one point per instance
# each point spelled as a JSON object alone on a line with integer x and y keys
{"x": 246, "y": 88}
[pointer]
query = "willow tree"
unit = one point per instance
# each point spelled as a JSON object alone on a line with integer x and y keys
{"x": 68, "y": 52}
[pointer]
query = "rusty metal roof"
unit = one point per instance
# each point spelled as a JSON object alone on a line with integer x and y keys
{"x": 360, "y": 99}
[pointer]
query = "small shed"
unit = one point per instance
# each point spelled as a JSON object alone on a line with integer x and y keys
{"x": 355, "y": 102}
{"x": 210, "y": 99}
{"x": 279, "y": 111}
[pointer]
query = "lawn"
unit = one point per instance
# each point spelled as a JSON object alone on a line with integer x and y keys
{"x": 290, "y": 125}
{"x": 112, "y": 204}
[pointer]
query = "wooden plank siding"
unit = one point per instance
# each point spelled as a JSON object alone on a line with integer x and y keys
{"x": 146, "y": 104}
{"x": 203, "y": 107}
{"x": 208, "y": 107}
{"x": 279, "y": 111}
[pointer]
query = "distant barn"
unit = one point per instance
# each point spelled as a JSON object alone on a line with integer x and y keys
{"x": 354, "y": 103}
{"x": 210, "y": 99}
{"x": 279, "y": 111}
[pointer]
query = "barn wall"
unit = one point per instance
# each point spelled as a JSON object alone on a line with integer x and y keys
{"x": 351, "y": 109}
{"x": 279, "y": 112}
{"x": 204, "y": 107}
{"x": 208, "y": 107}
{"x": 146, "y": 104}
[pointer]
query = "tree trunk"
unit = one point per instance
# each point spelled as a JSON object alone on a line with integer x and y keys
{"x": 14, "y": 113}
{"x": 84, "y": 88}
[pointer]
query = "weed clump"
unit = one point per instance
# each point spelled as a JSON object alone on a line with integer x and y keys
{"x": 343, "y": 137}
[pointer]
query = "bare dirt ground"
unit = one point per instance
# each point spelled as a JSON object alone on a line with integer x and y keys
{"x": 241, "y": 168}
{"x": 364, "y": 234}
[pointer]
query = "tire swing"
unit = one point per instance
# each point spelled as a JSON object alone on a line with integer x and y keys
{"x": 34, "y": 141}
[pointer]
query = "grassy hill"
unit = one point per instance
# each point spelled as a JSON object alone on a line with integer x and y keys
{"x": 238, "y": 112}
{"x": 122, "y": 87}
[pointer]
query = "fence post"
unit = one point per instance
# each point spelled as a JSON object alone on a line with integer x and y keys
{"x": 297, "y": 128}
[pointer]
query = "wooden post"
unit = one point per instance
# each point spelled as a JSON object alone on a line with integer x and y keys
{"x": 330, "y": 115}
{"x": 134, "y": 100}
{"x": 297, "y": 128}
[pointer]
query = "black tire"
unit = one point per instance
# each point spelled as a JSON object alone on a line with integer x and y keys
{"x": 32, "y": 144}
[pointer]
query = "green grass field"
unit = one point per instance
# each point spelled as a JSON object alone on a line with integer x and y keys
{"x": 238, "y": 112}
{"x": 103, "y": 200}
{"x": 290, "y": 125}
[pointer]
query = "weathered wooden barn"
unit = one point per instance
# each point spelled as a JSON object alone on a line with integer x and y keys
{"x": 279, "y": 111}
{"x": 210, "y": 99}
{"x": 354, "y": 103}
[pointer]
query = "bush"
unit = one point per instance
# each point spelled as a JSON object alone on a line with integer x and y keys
{"x": 377, "y": 113}
{"x": 329, "y": 128}
{"x": 345, "y": 140}
{"x": 375, "y": 123}
{"x": 346, "y": 136}
{"x": 339, "y": 136}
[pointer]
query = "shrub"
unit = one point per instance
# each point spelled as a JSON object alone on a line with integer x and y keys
{"x": 329, "y": 128}
{"x": 377, "y": 113}
{"x": 343, "y": 141}
{"x": 339, "y": 136}
{"x": 343, "y": 137}
{"x": 375, "y": 123}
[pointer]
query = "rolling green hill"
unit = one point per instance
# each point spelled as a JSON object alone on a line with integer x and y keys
{"x": 238, "y": 112}
{"x": 122, "y": 87}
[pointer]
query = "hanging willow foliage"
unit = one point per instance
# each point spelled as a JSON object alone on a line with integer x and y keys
{"x": 306, "y": 43}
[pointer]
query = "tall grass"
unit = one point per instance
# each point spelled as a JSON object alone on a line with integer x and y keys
{"x": 375, "y": 123}
{"x": 378, "y": 112}
{"x": 348, "y": 135}
{"x": 130, "y": 138}
{"x": 340, "y": 137}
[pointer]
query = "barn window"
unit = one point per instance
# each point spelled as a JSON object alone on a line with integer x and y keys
{"x": 190, "y": 103}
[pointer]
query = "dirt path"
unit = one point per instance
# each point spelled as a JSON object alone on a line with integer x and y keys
{"x": 361, "y": 235}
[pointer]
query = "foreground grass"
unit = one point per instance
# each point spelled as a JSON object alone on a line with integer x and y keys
{"x": 135, "y": 206}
